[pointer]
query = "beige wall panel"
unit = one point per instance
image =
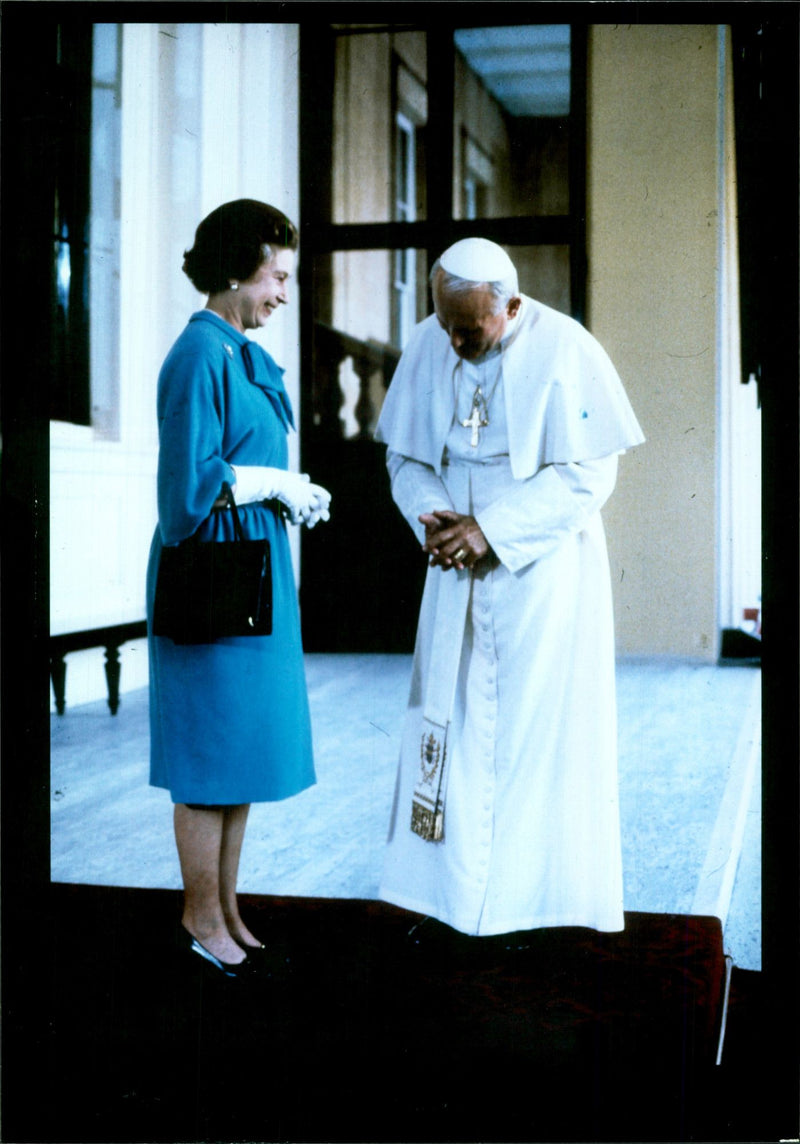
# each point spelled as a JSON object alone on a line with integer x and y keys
{"x": 544, "y": 274}
{"x": 652, "y": 297}
{"x": 362, "y": 186}
{"x": 411, "y": 47}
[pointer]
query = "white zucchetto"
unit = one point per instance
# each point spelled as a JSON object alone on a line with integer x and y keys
{"x": 477, "y": 260}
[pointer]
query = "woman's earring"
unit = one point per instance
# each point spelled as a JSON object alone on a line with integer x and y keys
{"x": 234, "y": 285}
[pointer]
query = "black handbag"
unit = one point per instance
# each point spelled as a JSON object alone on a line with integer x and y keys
{"x": 207, "y": 590}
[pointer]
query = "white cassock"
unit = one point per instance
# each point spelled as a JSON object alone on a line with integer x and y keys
{"x": 531, "y": 822}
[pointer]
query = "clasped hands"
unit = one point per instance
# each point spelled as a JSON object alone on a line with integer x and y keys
{"x": 453, "y": 540}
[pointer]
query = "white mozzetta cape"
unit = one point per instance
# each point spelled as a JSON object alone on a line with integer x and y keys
{"x": 531, "y": 821}
{"x": 564, "y": 399}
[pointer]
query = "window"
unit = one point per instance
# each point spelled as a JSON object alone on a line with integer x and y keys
{"x": 84, "y": 137}
{"x": 414, "y": 137}
{"x": 66, "y": 132}
{"x": 476, "y": 178}
{"x": 404, "y": 314}
{"x": 104, "y": 234}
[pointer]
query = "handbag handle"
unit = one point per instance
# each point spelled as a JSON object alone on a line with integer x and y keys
{"x": 227, "y": 491}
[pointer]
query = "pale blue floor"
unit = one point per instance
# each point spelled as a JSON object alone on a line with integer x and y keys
{"x": 679, "y": 726}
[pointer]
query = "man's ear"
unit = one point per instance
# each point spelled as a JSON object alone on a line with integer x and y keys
{"x": 512, "y": 309}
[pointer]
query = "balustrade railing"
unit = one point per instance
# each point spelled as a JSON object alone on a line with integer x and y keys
{"x": 373, "y": 364}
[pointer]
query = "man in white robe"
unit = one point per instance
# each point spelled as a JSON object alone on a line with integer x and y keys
{"x": 504, "y": 421}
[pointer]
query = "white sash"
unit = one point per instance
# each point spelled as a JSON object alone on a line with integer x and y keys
{"x": 427, "y": 808}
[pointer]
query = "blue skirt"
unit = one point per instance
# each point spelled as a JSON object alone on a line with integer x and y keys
{"x": 229, "y": 721}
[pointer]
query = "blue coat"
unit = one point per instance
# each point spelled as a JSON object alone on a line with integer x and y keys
{"x": 229, "y": 721}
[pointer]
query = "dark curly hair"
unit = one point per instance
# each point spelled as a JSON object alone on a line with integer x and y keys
{"x": 229, "y": 243}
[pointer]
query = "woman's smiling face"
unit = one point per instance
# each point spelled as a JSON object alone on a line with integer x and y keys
{"x": 253, "y": 303}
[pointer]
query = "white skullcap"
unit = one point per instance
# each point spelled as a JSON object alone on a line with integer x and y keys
{"x": 477, "y": 260}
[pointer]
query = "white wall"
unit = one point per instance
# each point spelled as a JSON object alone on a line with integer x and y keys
{"x": 208, "y": 115}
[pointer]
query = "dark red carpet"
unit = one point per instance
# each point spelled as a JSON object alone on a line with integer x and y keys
{"x": 360, "y": 1033}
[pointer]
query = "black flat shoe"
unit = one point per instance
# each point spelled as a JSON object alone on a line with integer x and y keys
{"x": 190, "y": 944}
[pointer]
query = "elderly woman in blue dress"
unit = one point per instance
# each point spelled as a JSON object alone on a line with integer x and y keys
{"x": 229, "y": 720}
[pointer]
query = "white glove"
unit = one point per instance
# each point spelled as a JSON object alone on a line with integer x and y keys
{"x": 305, "y": 501}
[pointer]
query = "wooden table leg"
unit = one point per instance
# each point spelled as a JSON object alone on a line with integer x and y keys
{"x": 58, "y": 675}
{"x": 113, "y": 670}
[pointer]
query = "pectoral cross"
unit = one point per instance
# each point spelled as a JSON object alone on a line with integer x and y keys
{"x": 477, "y": 419}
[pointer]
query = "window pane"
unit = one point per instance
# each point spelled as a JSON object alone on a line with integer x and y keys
{"x": 104, "y": 243}
{"x": 511, "y": 129}
{"x": 366, "y": 303}
{"x": 380, "y": 108}
{"x": 66, "y": 137}
{"x": 544, "y": 274}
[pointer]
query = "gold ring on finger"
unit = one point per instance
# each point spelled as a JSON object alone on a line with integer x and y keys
{"x": 460, "y": 554}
